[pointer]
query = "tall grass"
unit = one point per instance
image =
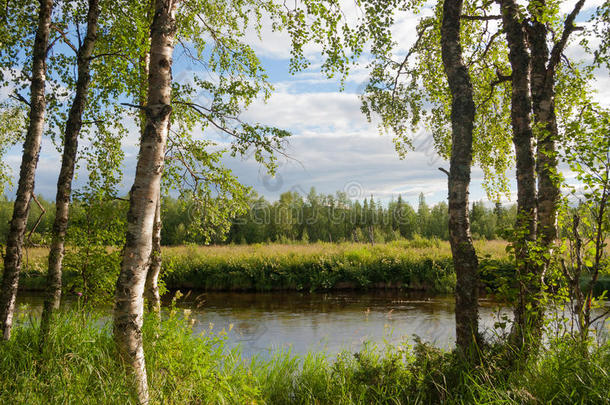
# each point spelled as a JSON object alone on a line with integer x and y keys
{"x": 419, "y": 264}
{"x": 80, "y": 365}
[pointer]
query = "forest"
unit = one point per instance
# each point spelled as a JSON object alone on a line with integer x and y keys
{"x": 111, "y": 296}
{"x": 292, "y": 218}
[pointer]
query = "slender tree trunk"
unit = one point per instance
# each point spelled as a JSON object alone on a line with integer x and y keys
{"x": 521, "y": 105}
{"x": 543, "y": 105}
{"x": 152, "y": 277}
{"x": 151, "y": 291}
{"x": 66, "y": 174}
{"x": 29, "y": 161}
{"x": 543, "y": 96}
{"x": 462, "y": 124}
{"x": 129, "y": 305}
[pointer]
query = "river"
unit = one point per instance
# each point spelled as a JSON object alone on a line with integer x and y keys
{"x": 261, "y": 323}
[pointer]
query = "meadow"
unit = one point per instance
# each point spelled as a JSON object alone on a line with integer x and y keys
{"x": 418, "y": 264}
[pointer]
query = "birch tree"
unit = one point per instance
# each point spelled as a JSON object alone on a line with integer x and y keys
{"x": 462, "y": 124}
{"x": 64, "y": 182}
{"x": 523, "y": 140}
{"x": 29, "y": 161}
{"x": 144, "y": 194}
{"x": 514, "y": 84}
{"x": 464, "y": 113}
{"x": 237, "y": 81}
{"x": 535, "y": 58}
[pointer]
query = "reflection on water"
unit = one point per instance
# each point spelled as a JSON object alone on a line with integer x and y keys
{"x": 330, "y": 322}
{"x": 260, "y": 322}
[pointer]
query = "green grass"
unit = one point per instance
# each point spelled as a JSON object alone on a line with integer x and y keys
{"x": 418, "y": 264}
{"x": 80, "y": 366}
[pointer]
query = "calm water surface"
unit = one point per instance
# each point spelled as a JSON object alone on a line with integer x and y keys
{"x": 264, "y": 322}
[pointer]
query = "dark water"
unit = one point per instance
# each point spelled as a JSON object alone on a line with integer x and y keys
{"x": 330, "y": 322}
{"x": 265, "y": 322}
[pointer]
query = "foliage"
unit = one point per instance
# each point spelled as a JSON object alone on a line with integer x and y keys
{"x": 336, "y": 218}
{"x": 209, "y": 194}
{"x": 12, "y": 120}
{"x": 583, "y": 256}
{"x": 601, "y": 29}
{"x": 416, "y": 264}
{"x": 94, "y": 239}
{"x": 224, "y": 213}
{"x": 407, "y": 93}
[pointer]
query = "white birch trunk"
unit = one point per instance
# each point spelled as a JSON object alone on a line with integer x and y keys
{"x": 29, "y": 161}
{"x": 129, "y": 304}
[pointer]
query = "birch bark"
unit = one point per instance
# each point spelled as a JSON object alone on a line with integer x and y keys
{"x": 521, "y": 106}
{"x": 66, "y": 174}
{"x": 462, "y": 124}
{"x": 29, "y": 161}
{"x": 129, "y": 305}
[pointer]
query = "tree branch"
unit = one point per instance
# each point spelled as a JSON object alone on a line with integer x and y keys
{"x": 414, "y": 48}
{"x": 201, "y": 110}
{"x": 480, "y": 17}
{"x": 42, "y": 212}
{"x": 597, "y": 318}
{"x": 65, "y": 37}
{"x": 140, "y": 107}
{"x": 101, "y": 55}
{"x": 19, "y": 97}
{"x": 568, "y": 28}
{"x": 501, "y": 79}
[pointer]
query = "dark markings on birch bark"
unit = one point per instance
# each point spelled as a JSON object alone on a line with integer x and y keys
{"x": 544, "y": 65}
{"x": 521, "y": 105}
{"x": 152, "y": 277}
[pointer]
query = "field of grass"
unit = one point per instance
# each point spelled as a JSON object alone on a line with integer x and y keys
{"x": 418, "y": 264}
{"x": 80, "y": 365}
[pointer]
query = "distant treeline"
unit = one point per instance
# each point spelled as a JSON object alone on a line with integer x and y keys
{"x": 292, "y": 218}
{"x": 337, "y": 218}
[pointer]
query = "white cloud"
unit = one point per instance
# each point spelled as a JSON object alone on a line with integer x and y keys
{"x": 333, "y": 141}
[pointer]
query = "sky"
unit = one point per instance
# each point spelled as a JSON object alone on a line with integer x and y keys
{"x": 332, "y": 147}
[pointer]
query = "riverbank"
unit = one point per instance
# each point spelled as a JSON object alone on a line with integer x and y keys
{"x": 419, "y": 265}
{"x": 80, "y": 365}
{"x": 414, "y": 265}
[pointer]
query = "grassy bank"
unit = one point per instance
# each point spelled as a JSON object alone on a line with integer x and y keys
{"x": 80, "y": 366}
{"x": 417, "y": 265}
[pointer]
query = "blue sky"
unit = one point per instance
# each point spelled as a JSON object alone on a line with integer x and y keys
{"x": 333, "y": 147}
